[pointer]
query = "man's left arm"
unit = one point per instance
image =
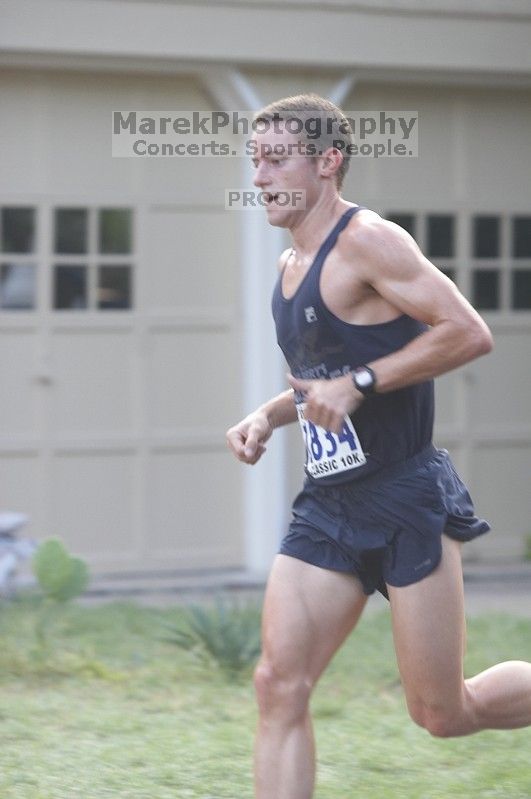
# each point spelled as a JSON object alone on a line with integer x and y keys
{"x": 389, "y": 260}
{"x": 401, "y": 274}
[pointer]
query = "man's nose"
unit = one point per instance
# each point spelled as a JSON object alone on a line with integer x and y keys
{"x": 261, "y": 177}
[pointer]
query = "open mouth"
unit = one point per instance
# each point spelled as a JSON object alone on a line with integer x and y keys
{"x": 271, "y": 198}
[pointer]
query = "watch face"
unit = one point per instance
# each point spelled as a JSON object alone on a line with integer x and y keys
{"x": 364, "y": 378}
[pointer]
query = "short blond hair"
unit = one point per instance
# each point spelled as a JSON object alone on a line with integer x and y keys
{"x": 317, "y": 120}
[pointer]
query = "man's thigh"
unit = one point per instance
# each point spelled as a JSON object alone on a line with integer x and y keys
{"x": 308, "y": 612}
{"x": 429, "y": 633}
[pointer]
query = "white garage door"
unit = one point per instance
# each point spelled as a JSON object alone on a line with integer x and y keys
{"x": 118, "y": 330}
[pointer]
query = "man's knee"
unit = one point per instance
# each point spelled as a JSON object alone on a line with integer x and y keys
{"x": 281, "y": 693}
{"x": 448, "y": 718}
{"x": 439, "y": 721}
{"x": 439, "y": 724}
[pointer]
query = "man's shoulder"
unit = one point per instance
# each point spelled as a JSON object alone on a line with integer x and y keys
{"x": 368, "y": 229}
{"x": 370, "y": 238}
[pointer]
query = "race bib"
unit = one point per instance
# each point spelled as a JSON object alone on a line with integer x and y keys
{"x": 330, "y": 453}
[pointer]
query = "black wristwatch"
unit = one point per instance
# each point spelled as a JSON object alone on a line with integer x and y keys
{"x": 364, "y": 380}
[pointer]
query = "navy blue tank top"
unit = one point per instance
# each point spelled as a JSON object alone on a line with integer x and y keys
{"x": 386, "y": 428}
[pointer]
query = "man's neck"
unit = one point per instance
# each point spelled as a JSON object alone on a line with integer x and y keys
{"x": 313, "y": 228}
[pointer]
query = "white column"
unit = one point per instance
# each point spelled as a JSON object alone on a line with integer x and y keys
{"x": 264, "y": 500}
{"x": 340, "y": 91}
{"x": 264, "y": 376}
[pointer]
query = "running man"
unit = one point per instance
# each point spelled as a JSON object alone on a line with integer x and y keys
{"x": 365, "y": 322}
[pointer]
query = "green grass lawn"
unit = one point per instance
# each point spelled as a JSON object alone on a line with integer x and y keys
{"x": 112, "y": 710}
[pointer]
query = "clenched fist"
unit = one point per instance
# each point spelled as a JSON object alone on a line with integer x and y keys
{"x": 247, "y": 439}
{"x": 328, "y": 401}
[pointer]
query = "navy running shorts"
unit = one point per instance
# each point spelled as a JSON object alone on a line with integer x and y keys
{"x": 387, "y": 527}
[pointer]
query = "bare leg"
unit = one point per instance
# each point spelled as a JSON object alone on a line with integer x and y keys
{"x": 429, "y": 633}
{"x": 308, "y": 613}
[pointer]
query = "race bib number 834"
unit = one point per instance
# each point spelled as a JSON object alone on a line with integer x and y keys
{"x": 330, "y": 453}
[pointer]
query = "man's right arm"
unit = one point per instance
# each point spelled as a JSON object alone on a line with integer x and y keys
{"x": 247, "y": 439}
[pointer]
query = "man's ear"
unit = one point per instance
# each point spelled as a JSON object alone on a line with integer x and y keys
{"x": 330, "y": 162}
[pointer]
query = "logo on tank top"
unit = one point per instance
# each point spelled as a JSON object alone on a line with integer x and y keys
{"x": 311, "y": 316}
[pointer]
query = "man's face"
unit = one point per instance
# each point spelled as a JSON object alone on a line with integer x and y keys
{"x": 286, "y": 175}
